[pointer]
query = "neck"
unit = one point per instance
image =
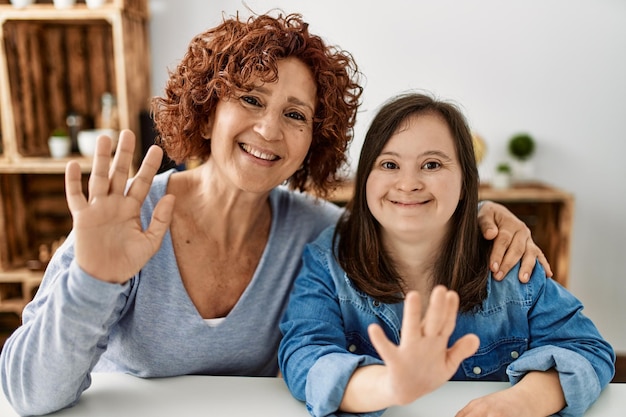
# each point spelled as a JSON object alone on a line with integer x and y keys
{"x": 415, "y": 260}
{"x": 229, "y": 216}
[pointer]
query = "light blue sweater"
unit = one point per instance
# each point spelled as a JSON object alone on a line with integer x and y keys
{"x": 149, "y": 327}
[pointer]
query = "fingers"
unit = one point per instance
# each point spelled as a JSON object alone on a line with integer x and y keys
{"x": 104, "y": 179}
{"x": 74, "y": 187}
{"x": 486, "y": 220}
{"x": 462, "y": 349}
{"x": 546, "y": 265}
{"x": 149, "y": 167}
{"x": 528, "y": 263}
{"x": 412, "y": 317}
{"x": 441, "y": 314}
{"x": 513, "y": 246}
{"x": 161, "y": 219}
{"x": 385, "y": 348}
{"x": 99, "y": 178}
{"x": 118, "y": 173}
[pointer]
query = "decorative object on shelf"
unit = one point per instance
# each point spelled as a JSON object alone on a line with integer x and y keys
{"x": 480, "y": 147}
{"x": 59, "y": 143}
{"x": 64, "y": 4}
{"x": 87, "y": 140}
{"x": 94, "y": 4}
{"x": 502, "y": 176}
{"x": 20, "y": 4}
{"x": 108, "y": 112}
{"x": 74, "y": 123}
{"x": 521, "y": 148}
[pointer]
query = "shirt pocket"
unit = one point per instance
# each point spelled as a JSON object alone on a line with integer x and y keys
{"x": 359, "y": 345}
{"x": 490, "y": 362}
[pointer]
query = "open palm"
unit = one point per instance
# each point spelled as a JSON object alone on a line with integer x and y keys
{"x": 110, "y": 243}
{"x": 422, "y": 361}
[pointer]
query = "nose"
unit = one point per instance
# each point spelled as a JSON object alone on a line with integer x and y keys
{"x": 409, "y": 180}
{"x": 268, "y": 126}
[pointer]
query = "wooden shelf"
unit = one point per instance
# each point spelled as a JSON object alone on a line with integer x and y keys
{"x": 43, "y": 165}
{"x": 548, "y": 212}
{"x": 54, "y": 62}
{"x": 25, "y": 283}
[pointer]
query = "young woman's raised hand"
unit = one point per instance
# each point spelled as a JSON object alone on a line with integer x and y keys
{"x": 422, "y": 361}
{"x": 110, "y": 243}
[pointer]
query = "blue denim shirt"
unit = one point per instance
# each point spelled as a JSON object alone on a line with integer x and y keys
{"x": 522, "y": 328}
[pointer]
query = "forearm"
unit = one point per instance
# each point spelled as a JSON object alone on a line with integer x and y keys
{"x": 46, "y": 362}
{"x": 366, "y": 391}
{"x": 543, "y": 392}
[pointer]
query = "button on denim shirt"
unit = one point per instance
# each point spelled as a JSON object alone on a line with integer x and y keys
{"x": 522, "y": 328}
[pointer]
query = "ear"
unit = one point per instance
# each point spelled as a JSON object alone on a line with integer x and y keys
{"x": 207, "y": 129}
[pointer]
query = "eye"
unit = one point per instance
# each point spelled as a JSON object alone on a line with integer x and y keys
{"x": 389, "y": 165}
{"x": 431, "y": 165}
{"x": 296, "y": 116}
{"x": 253, "y": 101}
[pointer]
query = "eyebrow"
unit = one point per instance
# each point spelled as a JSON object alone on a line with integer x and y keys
{"x": 290, "y": 99}
{"x": 427, "y": 153}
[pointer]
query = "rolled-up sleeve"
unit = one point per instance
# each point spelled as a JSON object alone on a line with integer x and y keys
{"x": 578, "y": 378}
{"x": 327, "y": 381}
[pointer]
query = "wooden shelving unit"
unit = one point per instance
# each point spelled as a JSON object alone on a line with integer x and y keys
{"x": 548, "y": 212}
{"x": 53, "y": 62}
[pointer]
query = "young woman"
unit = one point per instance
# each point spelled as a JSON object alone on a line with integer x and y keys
{"x": 372, "y": 321}
{"x": 155, "y": 289}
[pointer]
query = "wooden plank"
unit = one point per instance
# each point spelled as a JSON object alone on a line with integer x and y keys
{"x": 98, "y": 78}
{"x": 4, "y": 211}
{"x": 56, "y": 101}
{"x": 23, "y": 42}
{"x": 12, "y": 223}
{"x": 76, "y": 53}
{"x": 11, "y": 45}
{"x": 38, "y": 142}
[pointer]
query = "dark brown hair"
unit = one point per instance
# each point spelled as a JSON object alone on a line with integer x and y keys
{"x": 463, "y": 262}
{"x": 234, "y": 55}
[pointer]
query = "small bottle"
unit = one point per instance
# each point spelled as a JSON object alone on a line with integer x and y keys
{"x": 74, "y": 123}
{"x": 108, "y": 115}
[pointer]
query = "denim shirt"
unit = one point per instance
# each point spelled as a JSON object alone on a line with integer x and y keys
{"x": 522, "y": 328}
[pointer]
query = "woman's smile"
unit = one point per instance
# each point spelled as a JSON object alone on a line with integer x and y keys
{"x": 258, "y": 153}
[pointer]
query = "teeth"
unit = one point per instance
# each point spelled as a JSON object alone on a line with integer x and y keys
{"x": 257, "y": 153}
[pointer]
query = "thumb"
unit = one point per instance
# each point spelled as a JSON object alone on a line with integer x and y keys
{"x": 462, "y": 349}
{"x": 487, "y": 220}
{"x": 161, "y": 219}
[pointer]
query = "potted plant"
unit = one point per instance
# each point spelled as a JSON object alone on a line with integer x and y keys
{"x": 64, "y": 4}
{"x": 522, "y": 148}
{"x": 59, "y": 143}
{"x": 502, "y": 176}
{"x": 20, "y": 4}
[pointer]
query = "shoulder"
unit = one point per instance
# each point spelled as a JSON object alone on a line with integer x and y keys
{"x": 511, "y": 290}
{"x": 292, "y": 206}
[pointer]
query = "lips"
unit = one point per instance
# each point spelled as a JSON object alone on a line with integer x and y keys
{"x": 257, "y": 153}
{"x": 409, "y": 203}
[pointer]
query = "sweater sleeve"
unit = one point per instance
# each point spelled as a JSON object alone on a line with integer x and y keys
{"x": 46, "y": 362}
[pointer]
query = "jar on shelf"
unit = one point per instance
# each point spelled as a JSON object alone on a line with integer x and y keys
{"x": 108, "y": 113}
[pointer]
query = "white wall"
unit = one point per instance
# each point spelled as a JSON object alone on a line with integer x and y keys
{"x": 553, "y": 68}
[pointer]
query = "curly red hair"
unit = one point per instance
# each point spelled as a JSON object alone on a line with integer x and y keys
{"x": 237, "y": 53}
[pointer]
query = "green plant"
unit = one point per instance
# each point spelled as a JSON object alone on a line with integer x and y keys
{"x": 59, "y": 131}
{"x": 504, "y": 168}
{"x": 522, "y": 146}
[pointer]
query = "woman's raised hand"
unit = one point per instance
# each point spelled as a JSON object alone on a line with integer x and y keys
{"x": 422, "y": 361}
{"x": 110, "y": 243}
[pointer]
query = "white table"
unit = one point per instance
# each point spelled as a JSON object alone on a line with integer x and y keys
{"x": 189, "y": 396}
